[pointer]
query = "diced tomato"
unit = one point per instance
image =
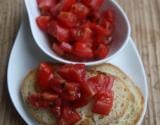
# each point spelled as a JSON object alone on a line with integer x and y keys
{"x": 103, "y": 104}
{"x": 82, "y": 50}
{"x": 57, "y": 84}
{"x": 67, "y": 19}
{"x": 46, "y": 5}
{"x": 84, "y": 35}
{"x": 69, "y": 116}
{"x": 80, "y": 10}
{"x": 102, "y": 51}
{"x": 41, "y": 100}
{"x": 86, "y": 2}
{"x": 56, "y": 111}
{"x": 99, "y": 30}
{"x": 73, "y": 73}
{"x": 67, "y": 4}
{"x": 66, "y": 47}
{"x": 109, "y": 15}
{"x": 59, "y": 32}
{"x": 110, "y": 82}
{"x": 109, "y": 28}
{"x": 57, "y": 49}
{"x": 101, "y": 82}
{"x": 96, "y": 4}
{"x": 44, "y": 76}
{"x": 71, "y": 92}
{"x": 42, "y": 22}
{"x": 82, "y": 101}
{"x": 49, "y": 96}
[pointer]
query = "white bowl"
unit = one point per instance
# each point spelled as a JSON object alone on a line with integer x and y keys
{"x": 120, "y": 35}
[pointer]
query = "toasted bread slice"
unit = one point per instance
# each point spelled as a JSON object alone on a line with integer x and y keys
{"x": 122, "y": 97}
{"x": 135, "y": 108}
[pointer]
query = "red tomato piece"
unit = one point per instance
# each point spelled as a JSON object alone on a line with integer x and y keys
{"x": 102, "y": 51}
{"x": 82, "y": 101}
{"x": 82, "y": 50}
{"x": 46, "y": 5}
{"x": 66, "y": 47}
{"x": 42, "y": 22}
{"x": 89, "y": 89}
{"x": 110, "y": 82}
{"x": 80, "y": 10}
{"x": 44, "y": 76}
{"x": 109, "y": 28}
{"x": 41, "y": 100}
{"x": 73, "y": 73}
{"x": 103, "y": 104}
{"x": 109, "y": 15}
{"x": 57, "y": 49}
{"x": 86, "y": 2}
{"x": 49, "y": 96}
{"x": 67, "y": 4}
{"x": 96, "y": 4}
{"x": 59, "y": 32}
{"x": 99, "y": 30}
{"x": 71, "y": 91}
{"x": 82, "y": 35}
{"x": 69, "y": 116}
{"x": 67, "y": 19}
{"x": 56, "y": 111}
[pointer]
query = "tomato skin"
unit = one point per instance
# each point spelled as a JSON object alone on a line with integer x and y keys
{"x": 42, "y": 22}
{"x": 71, "y": 91}
{"x": 56, "y": 111}
{"x": 99, "y": 30}
{"x": 96, "y": 4}
{"x": 77, "y": 71}
{"x": 82, "y": 50}
{"x": 80, "y": 10}
{"x": 49, "y": 96}
{"x": 66, "y": 47}
{"x": 46, "y": 5}
{"x": 89, "y": 89}
{"x": 67, "y": 19}
{"x": 69, "y": 116}
{"x": 57, "y": 49}
{"x": 102, "y": 51}
{"x": 58, "y": 31}
{"x": 82, "y": 101}
{"x": 109, "y": 15}
{"x": 67, "y": 4}
{"x": 44, "y": 76}
{"x": 103, "y": 103}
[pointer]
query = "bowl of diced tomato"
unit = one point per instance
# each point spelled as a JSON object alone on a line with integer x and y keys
{"x": 78, "y": 31}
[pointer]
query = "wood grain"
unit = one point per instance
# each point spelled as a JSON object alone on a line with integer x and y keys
{"x": 144, "y": 16}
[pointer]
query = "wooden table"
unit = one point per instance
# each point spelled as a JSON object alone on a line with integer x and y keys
{"x": 144, "y": 16}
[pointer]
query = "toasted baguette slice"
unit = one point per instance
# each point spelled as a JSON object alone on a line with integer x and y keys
{"x": 122, "y": 97}
{"x": 135, "y": 109}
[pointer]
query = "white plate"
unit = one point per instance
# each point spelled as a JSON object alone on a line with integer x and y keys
{"x": 25, "y": 55}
